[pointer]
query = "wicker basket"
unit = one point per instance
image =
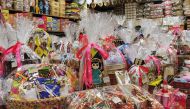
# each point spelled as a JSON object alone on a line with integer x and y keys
{"x": 49, "y": 103}
{"x": 9, "y": 65}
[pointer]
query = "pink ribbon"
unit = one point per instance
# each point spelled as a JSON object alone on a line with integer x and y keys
{"x": 156, "y": 62}
{"x": 176, "y": 29}
{"x": 87, "y": 73}
{"x": 15, "y": 49}
{"x": 1, "y": 63}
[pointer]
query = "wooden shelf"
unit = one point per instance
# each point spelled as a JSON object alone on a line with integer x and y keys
{"x": 183, "y": 56}
{"x": 57, "y": 33}
{"x": 35, "y": 14}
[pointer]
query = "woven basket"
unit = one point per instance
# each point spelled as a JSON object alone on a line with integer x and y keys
{"x": 49, "y": 103}
{"x": 8, "y": 65}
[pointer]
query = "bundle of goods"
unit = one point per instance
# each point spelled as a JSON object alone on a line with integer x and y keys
{"x": 62, "y": 6}
{"x": 17, "y": 38}
{"x": 130, "y": 10}
{"x": 140, "y": 11}
{"x": 186, "y": 7}
{"x": 72, "y": 9}
{"x": 177, "y": 8}
{"x": 168, "y": 7}
{"x": 54, "y": 7}
{"x": 140, "y": 97}
{"x": 19, "y": 5}
{"x": 99, "y": 70}
{"x": 39, "y": 86}
{"x": 112, "y": 97}
{"x": 188, "y": 23}
{"x": 109, "y": 97}
{"x": 115, "y": 62}
{"x": 146, "y": 10}
{"x": 156, "y": 10}
{"x": 171, "y": 98}
{"x": 7, "y": 4}
{"x": 66, "y": 50}
{"x": 152, "y": 10}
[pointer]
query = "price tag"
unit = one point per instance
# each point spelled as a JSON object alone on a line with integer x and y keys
{"x": 14, "y": 63}
{"x": 116, "y": 100}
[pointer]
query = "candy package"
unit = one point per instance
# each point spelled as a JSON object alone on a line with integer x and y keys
{"x": 170, "y": 97}
{"x": 41, "y": 81}
{"x": 109, "y": 97}
{"x": 141, "y": 98}
{"x": 138, "y": 75}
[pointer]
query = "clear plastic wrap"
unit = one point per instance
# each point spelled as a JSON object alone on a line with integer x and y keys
{"x": 141, "y": 98}
{"x": 110, "y": 97}
{"x": 17, "y": 46}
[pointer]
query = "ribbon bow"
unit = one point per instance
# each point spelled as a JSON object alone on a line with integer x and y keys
{"x": 156, "y": 62}
{"x": 85, "y": 52}
{"x": 84, "y": 40}
{"x": 176, "y": 30}
{"x": 108, "y": 43}
{"x": 15, "y": 49}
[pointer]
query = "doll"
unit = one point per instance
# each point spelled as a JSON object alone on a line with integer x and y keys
{"x": 96, "y": 72}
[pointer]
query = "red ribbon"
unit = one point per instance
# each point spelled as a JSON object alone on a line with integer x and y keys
{"x": 140, "y": 70}
{"x": 108, "y": 43}
{"x": 1, "y": 63}
{"x": 84, "y": 40}
{"x": 85, "y": 51}
{"x": 176, "y": 29}
{"x": 156, "y": 62}
{"x": 15, "y": 49}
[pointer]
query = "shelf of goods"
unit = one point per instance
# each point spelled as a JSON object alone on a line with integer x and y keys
{"x": 52, "y": 24}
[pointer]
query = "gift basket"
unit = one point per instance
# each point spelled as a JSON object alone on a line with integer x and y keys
{"x": 99, "y": 41}
{"x": 40, "y": 86}
{"x": 115, "y": 62}
{"x": 16, "y": 52}
{"x": 112, "y": 97}
{"x": 170, "y": 97}
{"x": 64, "y": 50}
{"x": 109, "y": 97}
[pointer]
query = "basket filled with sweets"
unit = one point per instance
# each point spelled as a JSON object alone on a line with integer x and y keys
{"x": 39, "y": 86}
